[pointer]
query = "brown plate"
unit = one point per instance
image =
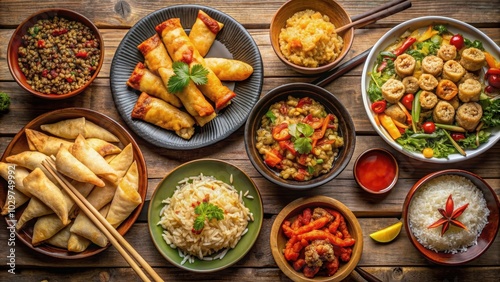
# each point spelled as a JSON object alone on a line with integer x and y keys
{"x": 485, "y": 239}
{"x": 19, "y": 144}
{"x": 16, "y": 41}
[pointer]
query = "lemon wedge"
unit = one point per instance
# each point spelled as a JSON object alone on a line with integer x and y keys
{"x": 388, "y": 233}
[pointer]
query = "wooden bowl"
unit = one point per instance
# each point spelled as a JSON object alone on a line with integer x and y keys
{"x": 331, "y": 104}
{"x": 487, "y": 235}
{"x": 19, "y": 144}
{"x": 376, "y": 170}
{"x": 338, "y": 16}
{"x": 16, "y": 41}
{"x": 278, "y": 239}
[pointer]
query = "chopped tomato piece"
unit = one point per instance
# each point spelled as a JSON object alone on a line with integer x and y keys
{"x": 40, "y": 43}
{"x": 81, "y": 54}
{"x": 304, "y": 101}
{"x": 300, "y": 175}
{"x": 315, "y": 122}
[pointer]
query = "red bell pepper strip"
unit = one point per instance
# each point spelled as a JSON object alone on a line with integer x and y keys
{"x": 378, "y": 107}
{"x": 280, "y": 132}
{"x": 272, "y": 158}
{"x": 287, "y": 145}
{"x": 400, "y": 50}
{"x": 317, "y": 135}
{"x": 315, "y": 122}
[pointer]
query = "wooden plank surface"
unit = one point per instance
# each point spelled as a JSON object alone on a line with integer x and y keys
{"x": 397, "y": 261}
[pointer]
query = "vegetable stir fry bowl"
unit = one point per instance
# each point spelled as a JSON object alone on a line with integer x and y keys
{"x": 429, "y": 88}
{"x": 271, "y": 171}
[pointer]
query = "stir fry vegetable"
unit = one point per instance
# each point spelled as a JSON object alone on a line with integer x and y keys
{"x": 425, "y": 86}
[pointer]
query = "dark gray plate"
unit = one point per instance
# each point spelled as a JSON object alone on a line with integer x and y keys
{"x": 233, "y": 41}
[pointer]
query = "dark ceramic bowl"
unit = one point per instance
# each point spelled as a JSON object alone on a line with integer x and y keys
{"x": 331, "y": 104}
{"x": 338, "y": 16}
{"x": 487, "y": 235}
{"x": 22, "y": 29}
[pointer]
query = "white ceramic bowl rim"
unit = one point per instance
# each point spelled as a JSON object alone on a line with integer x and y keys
{"x": 465, "y": 29}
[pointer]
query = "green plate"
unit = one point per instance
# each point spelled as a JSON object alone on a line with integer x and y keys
{"x": 222, "y": 171}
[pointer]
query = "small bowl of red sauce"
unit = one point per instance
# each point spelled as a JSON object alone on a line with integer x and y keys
{"x": 376, "y": 171}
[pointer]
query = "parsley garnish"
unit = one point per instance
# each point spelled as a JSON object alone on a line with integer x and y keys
{"x": 271, "y": 116}
{"x": 198, "y": 74}
{"x": 301, "y": 134}
{"x": 206, "y": 211}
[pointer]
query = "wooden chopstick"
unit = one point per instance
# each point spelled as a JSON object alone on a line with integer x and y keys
{"x": 336, "y": 72}
{"x": 371, "y": 17}
{"x": 109, "y": 231}
{"x": 376, "y": 9}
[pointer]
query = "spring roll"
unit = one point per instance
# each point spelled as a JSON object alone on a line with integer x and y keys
{"x": 155, "y": 54}
{"x": 180, "y": 48}
{"x": 193, "y": 100}
{"x": 164, "y": 115}
{"x": 203, "y": 32}
{"x": 144, "y": 80}
{"x": 228, "y": 69}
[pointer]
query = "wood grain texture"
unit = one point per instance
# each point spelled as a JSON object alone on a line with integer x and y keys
{"x": 397, "y": 261}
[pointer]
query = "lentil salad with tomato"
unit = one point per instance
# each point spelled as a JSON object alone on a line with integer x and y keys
{"x": 299, "y": 138}
{"x": 424, "y": 104}
{"x": 58, "y": 56}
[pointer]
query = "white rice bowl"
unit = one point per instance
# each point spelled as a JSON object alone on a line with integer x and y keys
{"x": 177, "y": 218}
{"x": 423, "y": 211}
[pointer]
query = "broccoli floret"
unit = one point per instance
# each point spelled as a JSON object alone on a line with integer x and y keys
{"x": 4, "y": 102}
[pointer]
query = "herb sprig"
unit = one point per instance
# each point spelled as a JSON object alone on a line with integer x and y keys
{"x": 183, "y": 74}
{"x": 301, "y": 134}
{"x": 206, "y": 211}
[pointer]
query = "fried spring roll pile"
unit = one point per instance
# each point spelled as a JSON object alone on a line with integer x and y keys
{"x": 195, "y": 104}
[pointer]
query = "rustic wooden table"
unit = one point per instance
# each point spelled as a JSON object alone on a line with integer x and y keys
{"x": 396, "y": 261}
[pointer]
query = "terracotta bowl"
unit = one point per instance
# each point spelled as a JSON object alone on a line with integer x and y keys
{"x": 331, "y": 104}
{"x": 376, "y": 170}
{"x": 19, "y": 144}
{"x": 278, "y": 239}
{"x": 338, "y": 16}
{"x": 487, "y": 235}
{"x": 16, "y": 41}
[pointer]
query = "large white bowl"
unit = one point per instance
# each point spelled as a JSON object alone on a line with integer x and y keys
{"x": 454, "y": 26}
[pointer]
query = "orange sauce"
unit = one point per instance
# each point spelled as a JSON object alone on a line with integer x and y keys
{"x": 375, "y": 170}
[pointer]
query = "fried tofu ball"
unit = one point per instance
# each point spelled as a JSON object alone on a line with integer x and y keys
{"x": 432, "y": 65}
{"x": 472, "y": 59}
{"x": 428, "y": 100}
{"x": 446, "y": 89}
{"x": 469, "y": 90}
{"x": 396, "y": 113}
{"x": 427, "y": 82}
{"x": 447, "y": 52}
{"x": 453, "y": 70}
{"x": 404, "y": 65}
{"x": 393, "y": 90}
{"x": 411, "y": 84}
{"x": 469, "y": 115}
{"x": 443, "y": 113}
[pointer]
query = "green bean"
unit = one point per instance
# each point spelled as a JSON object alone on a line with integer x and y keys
{"x": 415, "y": 111}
